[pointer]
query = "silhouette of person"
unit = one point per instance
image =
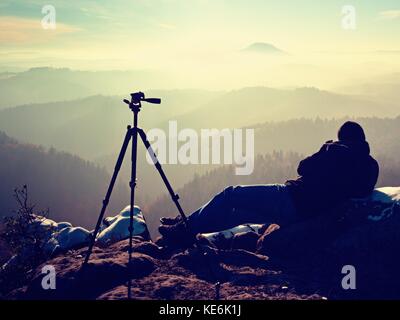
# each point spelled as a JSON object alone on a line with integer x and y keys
{"x": 339, "y": 171}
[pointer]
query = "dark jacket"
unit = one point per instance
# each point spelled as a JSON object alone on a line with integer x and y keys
{"x": 337, "y": 172}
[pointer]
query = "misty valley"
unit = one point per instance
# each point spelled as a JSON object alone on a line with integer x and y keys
{"x": 270, "y": 162}
{"x": 76, "y": 148}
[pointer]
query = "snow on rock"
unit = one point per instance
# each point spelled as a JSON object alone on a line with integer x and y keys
{"x": 43, "y": 226}
{"x": 116, "y": 228}
{"x": 225, "y": 238}
{"x": 62, "y": 225}
{"x": 60, "y": 236}
{"x": 386, "y": 194}
{"x": 66, "y": 239}
{"x": 63, "y": 236}
{"x": 381, "y": 203}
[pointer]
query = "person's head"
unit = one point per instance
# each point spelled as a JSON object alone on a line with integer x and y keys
{"x": 351, "y": 131}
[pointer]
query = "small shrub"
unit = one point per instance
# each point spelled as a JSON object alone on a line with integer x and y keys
{"x": 25, "y": 240}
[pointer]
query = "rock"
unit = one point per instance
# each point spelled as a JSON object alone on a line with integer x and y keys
{"x": 241, "y": 257}
{"x": 142, "y": 265}
{"x": 145, "y": 247}
{"x": 306, "y": 256}
{"x": 372, "y": 248}
{"x": 13, "y": 262}
{"x": 90, "y": 282}
{"x": 159, "y": 241}
{"x": 150, "y": 249}
{"x": 317, "y": 233}
{"x": 237, "y": 257}
{"x": 362, "y": 233}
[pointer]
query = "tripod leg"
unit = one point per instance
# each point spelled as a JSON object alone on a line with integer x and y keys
{"x": 132, "y": 202}
{"x": 174, "y": 196}
{"x": 108, "y": 194}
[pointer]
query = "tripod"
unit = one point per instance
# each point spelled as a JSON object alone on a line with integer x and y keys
{"x": 132, "y": 135}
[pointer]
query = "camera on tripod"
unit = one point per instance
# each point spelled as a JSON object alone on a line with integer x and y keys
{"x": 138, "y": 97}
{"x": 132, "y": 135}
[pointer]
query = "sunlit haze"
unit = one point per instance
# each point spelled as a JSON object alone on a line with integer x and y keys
{"x": 207, "y": 43}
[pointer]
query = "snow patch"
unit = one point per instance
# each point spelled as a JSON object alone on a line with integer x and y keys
{"x": 228, "y": 234}
{"x": 382, "y": 202}
{"x": 116, "y": 228}
{"x": 386, "y": 194}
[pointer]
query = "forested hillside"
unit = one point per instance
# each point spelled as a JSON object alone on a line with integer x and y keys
{"x": 71, "y": 188}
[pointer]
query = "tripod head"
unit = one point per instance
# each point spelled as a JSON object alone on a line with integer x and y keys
{"x": 137, "y": 98}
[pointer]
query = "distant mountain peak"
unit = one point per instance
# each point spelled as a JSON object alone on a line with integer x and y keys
{"x": 263, "y": 47}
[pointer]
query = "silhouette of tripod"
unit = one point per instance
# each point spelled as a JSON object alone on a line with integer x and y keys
{"x": 132, "y": 135}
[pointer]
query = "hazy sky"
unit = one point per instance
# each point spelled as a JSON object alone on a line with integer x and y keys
{"x": 199, "y": 42}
